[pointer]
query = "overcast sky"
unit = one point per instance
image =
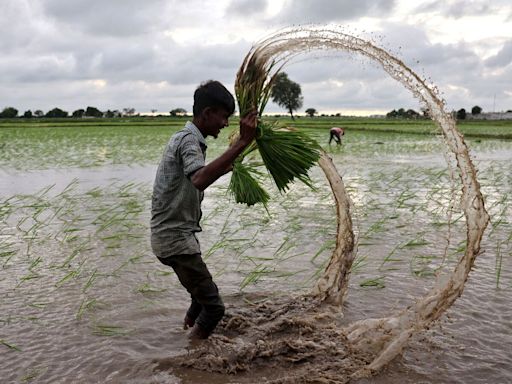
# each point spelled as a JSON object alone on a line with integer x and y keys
{"x": 152, "y": 54}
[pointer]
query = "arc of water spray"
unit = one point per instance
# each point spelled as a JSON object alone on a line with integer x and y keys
{"x": 384, "y": 337}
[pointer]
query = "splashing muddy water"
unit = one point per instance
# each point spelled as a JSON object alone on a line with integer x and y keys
{"x": 299, "y": 330}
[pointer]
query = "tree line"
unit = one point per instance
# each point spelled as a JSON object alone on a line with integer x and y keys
{"x": 11, "y": 113}
{"x": 412, "y": 114}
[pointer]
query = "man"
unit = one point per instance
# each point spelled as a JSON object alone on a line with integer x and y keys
{"x": 181, "y": 178}
{"x": 336, "y": 133}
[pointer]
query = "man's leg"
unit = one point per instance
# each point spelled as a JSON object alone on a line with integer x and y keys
{"x": 207, "y": 308}
{"x": 195, "y": 308}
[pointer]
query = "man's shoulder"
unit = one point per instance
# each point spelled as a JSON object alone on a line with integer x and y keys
{"x": 183, "y": 137}
{"x": 182, "y": 133}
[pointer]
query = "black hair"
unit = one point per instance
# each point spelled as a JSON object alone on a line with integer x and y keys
{"x": 212, "y": 94}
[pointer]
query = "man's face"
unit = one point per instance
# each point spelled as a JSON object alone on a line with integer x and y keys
{"x": 216, "y": 119}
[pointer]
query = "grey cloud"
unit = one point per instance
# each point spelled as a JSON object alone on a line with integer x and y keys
{"x": 337, "y": 67}
{"x": 26, "y": 69}
{"x": 463, "y": 8}
{"x": 74, "y": 63}
{"x": 502, "y": 58}
{"x": 429, "y": 7}
{"x": 126, "y": 18}
{"x": 112, "y": 18}
{"x": 460, "y": 8}
{"x": 441, "y": 62}
{"x": 246, "y": 7}
{"x": 18, "y": 26}
{"x": 324, "y": 11}
{"x": 118, "y": 60}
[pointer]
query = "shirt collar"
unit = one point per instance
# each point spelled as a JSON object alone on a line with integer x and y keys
{"x": 191, "y": 127}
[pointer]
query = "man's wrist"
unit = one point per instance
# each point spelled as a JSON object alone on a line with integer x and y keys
{"x": 244, "y": 142}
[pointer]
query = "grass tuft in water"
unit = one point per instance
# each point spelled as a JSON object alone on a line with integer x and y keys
{"x": 9, "y": 345}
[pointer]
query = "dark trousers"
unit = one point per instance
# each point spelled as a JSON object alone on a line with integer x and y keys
{"x": 206, "y": 307}
{"x": 334, "y": 136}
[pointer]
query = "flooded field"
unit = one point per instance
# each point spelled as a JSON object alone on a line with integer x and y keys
{"x": 85, "y": 301}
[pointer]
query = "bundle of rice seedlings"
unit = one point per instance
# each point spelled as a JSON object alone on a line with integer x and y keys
{"x": 244, "y": 187}
{"x": 244, "y": 184}
{"x": 287, "y": 154}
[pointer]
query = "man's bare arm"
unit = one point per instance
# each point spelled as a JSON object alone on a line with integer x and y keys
{"x": 205, "y": 176}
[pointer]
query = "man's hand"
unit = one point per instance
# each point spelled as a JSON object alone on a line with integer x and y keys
{"x": 248, "y": 125}
{"x": 206, "y": 175}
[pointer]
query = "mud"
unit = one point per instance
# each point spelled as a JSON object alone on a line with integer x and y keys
{"x": 299, "y": 340}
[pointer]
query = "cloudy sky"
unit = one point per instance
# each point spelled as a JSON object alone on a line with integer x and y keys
{"x": 152, "y": 54}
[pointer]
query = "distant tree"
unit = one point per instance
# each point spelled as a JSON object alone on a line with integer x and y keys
{"x": 9, "y": 113}
{"x": 392, "y": 114}
{"x": 93, "y": 112}
{"x": 461, "y": 114}
{"x": 476, "y": 110}
{"x": 109, "y": 114}
{"x": 425, "y": 112}
{"x": 38, "y": 113}
{"x": 56, "y": 112}
{"x": 311, "y": 112}
{"x": 79, "y": 113}
{"x": 27, "y": 114}
{"x": 287, "y": 93}
{"x": 402, "y": 113}
{"x": 178, "y": 112}
{"x": 128, "y": 111}
{"x": 411, "y": 114}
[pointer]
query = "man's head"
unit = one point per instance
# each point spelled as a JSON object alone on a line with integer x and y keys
{"x": 213, "y": 104}
{"x": 214, "y": 95}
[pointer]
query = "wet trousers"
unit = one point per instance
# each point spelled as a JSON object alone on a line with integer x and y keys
{"x": 206, "y": 307}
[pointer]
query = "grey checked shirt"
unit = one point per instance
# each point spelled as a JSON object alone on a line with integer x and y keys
{"x": 176, "y": 203}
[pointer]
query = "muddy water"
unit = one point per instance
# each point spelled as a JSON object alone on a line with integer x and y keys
{"x": 85, "y": 301}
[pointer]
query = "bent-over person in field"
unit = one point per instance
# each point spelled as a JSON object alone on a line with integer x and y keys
{"x": 335, "y": 134}
{"x": 181, "y": 178}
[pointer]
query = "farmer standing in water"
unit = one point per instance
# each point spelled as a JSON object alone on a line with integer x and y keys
{"x": 336, "y": 133}
{"x": 181, "y": 178}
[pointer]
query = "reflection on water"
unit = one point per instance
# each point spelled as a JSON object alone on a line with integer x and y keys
{"x": 85, "y": 299}
{"x": 28, "y": 182}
